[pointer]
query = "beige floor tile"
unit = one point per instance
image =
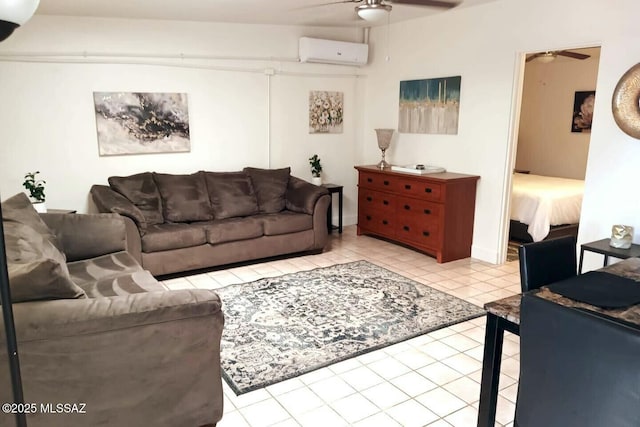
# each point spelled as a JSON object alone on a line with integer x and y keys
{"x": 264, "y": 413}
{"x": 321, "y": 417}
{"x": 441, "y": 402}
{"x": 354, "y": 408}
{"x": 378, "y": 420}
{"x": 385, "y": 395}
{"x": 413, "y": 384}
{"x": 411, "y": 414}
{"x": 332, "y": 389}
{"x": 361, "y": 378}
{"x": 299, "y": 401}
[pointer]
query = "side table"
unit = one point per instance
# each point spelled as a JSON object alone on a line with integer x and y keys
{"x": 602, "y": 247}
{"x": 334, "y": 189}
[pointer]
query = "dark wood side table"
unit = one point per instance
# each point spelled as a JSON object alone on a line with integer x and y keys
{"x": 334, "y": 189}
{"x": 602, "y": 247}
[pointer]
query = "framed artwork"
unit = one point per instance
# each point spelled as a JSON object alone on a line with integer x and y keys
{"x": 141, "y": 123}
{"x": 583, "y": 103}
{"x": 430, "y": 105}
{"x": 325, "y": 111}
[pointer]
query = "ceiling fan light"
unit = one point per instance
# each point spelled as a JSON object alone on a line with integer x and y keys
{"x": 546, "y": 58}
{"x": 373, "y": 12}
{"x": 14, "y": 13}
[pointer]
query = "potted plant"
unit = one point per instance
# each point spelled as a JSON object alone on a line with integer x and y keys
{"x": 316, "y": 169}
{"x": 36, "y": 190}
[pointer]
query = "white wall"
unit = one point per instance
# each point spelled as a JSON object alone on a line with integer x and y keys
{"x": 239, "y": 116}
{"x": 546, "y": 145}
{"x": 485, "y": 45}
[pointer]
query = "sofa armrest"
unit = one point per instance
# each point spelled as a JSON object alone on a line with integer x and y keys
{"x": 85, "y": 236}
{"x": 56, "y": 319}
{"x": 301, "y": 196}
{"x": 107, "y": 200}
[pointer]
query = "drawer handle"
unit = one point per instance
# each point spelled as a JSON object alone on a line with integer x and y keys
{"x": 385, "y": 222}
{"x": 425, "y": 233}
{"x": 427, "y": 211}
{"x": 406, "y": 228}
{"x": 407, "y": 207}
{"x": 369, "y": 199}
{"x": 386, "y": 182}
{"x": 369, "y": 180}
{"x": 407, "y": 187}
{"x": 385, "y": 202}
{"x": 427, "y": 190}
{"x": 368, "y": 217}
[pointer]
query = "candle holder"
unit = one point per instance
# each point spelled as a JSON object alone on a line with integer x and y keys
{"x": 384, "y": 141}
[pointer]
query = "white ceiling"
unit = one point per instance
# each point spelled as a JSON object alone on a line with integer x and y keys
{"x": 279, "y": 12}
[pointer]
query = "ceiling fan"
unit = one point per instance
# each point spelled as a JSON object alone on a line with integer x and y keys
{"x": 375, "y": 10}
{"x": 551, "y": 55}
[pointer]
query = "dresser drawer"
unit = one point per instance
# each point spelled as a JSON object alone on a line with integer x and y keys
{"x": 423, "y": 233}
{"x": 418, "y": 210}
{"x": 420, "y": 189}
{"x": 378, "y": 181}
{"x": 369, "y": 200}
{"x": 377, "y": 222}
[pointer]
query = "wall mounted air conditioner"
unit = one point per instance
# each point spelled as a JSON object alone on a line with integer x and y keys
{"x": 333, "y": 52}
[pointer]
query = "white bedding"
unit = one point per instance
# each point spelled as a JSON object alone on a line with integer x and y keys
{"x": 543, "y": 201}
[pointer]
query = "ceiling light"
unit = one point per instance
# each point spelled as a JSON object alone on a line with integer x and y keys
{"x": 14, "y": 13}
{"x": 546, "y": 57}
{"x": 373, "y": 12}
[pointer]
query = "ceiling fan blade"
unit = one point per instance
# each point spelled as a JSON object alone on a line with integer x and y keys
{"x": 574, "y": 55}
{"x": 534, "y": 56}
{"x": 327, "y": 4}
{"x": 432, "y": 3}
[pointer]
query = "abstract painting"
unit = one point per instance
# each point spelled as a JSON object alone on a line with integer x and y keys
{"x": 583, "y": 103}
{"x": 325, "y": 112}
{"x": 430, "y": 106}
{"x": 141, "y": 123}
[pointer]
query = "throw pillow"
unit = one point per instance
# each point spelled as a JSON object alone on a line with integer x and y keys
{"x": 231, "y": 194}
{"x": 19, "y": 209}
{"x": 270, "y": 186}
{"x": 141, "y": 190}
{"x": 184, "y": 197}
{"x": 37, "y": 270}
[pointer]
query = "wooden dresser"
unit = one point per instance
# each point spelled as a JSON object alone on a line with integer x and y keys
{"x": 432, "y": 212}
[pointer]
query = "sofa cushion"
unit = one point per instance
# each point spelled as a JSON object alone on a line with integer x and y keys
{"x": 231, "y": 194}
{"x": 37, "y": 270}
{"x": 163, "y": 237}
{"x": 270, "y": 186}
{"x": 141, "y": 190}
{"x": 184, "y": 197}
{"x": 113, "y": 274}
{"x": 232, "y": 229}
{"x": 285, "y": 222}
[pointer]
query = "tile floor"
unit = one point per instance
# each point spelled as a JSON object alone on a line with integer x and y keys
{"x": 432, "y": 380}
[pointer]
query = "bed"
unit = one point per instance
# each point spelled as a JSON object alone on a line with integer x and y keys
{"x": 544, "y": 207}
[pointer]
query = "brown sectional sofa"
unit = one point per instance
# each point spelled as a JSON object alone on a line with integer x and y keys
{"x": 179, "y": 223}
{"x": 93, "y": 327}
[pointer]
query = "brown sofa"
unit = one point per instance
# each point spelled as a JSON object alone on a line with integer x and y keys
{"x": 179, "y": 223}
{"x": 97, "y": 331}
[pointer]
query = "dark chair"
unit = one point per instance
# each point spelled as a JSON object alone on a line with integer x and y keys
{"x": 547, "y": 261}
{"x": 577, "y": 368}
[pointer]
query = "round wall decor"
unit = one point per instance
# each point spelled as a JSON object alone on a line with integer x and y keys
{"x": 626, "y": 102}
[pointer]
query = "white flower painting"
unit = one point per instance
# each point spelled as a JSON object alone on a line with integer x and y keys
{"x": 141, "y": 123}
{"x": 325, "y": 112}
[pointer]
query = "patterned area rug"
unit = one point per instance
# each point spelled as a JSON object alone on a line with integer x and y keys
{"x": 279, "y": 328}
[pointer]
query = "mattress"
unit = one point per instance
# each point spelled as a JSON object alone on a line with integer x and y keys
{"x": 543, "y": 201}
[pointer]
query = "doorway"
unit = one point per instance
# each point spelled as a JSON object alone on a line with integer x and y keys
{"x": 550, "y": 140}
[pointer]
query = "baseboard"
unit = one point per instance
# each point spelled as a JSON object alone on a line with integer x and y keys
{"x": 485, "y": 254}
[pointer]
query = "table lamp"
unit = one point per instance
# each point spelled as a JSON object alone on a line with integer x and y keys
{"x": 384, "y": 141}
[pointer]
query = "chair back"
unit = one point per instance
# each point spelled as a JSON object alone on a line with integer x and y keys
{"x": 547, "y": 261}
{"x": 577, "y": 368}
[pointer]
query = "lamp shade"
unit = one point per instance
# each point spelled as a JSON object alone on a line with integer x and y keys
{"x": 373, "y": 12}
{"x": 14, "y": 13}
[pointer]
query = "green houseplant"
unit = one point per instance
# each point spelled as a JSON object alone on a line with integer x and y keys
{"x": 35, "y": 187}
{"x": 316, "y": 169}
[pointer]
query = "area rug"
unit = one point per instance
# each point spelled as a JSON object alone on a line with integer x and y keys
{"x": 281, "y": 327}
{"x": 512, "y": 250}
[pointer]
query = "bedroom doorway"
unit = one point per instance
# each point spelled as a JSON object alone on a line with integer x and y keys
{"x": 551, "y": 136}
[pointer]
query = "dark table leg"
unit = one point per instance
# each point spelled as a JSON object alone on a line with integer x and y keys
{"x": 340, "y": 211}
{"x": 606, "y": 260}
{"x": 494, "y": 336}
{"x": 581, "y": 258}
{"x": 330, "y": 215}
